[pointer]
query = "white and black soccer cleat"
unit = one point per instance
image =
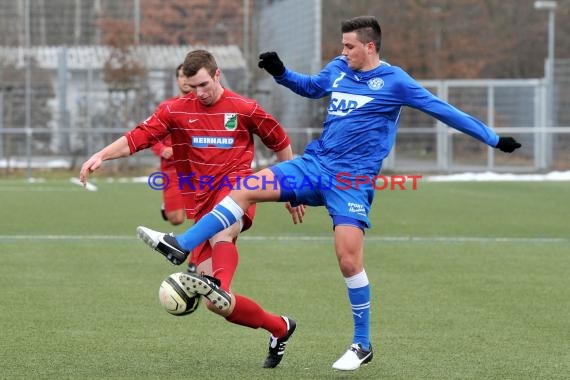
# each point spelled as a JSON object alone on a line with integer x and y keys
{"x": 165, "y": 244}
{"x": 353, "y": 358}
{"x": 208, "y": 287}
{"x": 277, "y": 345}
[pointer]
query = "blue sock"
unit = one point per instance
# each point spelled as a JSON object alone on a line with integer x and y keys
{"x": 359, "y": 296}
{"x": 226, "y": 213}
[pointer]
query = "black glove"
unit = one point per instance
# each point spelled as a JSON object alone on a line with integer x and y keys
{"x": 507, "y": 144}
{"x": 271, "y": 63}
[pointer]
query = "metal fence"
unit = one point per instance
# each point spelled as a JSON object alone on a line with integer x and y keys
{"x": 56, "y": 108}
{"x": 511, "y": 107}
{"x": 514, "y": 107}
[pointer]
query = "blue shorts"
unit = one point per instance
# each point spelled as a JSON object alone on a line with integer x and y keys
{"x": 303, "y": 181}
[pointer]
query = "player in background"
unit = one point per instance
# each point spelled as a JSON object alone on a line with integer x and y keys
{"x": 212, "y": 131}
{"x": 173, "y": 208}
{"x": 366, "y": 98}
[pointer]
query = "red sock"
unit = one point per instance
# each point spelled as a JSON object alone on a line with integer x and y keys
{"x": 224, "y": 262}
{"x": 248, "y": 313}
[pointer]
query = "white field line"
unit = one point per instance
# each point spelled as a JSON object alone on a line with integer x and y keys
{"x": 88, "y": 185}
{"x": 22, "y": 189}
{"x": 43, "y": 187}
{"x": 291, "y": 238}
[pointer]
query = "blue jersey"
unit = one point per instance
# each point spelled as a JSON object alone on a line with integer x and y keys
{"x": 364, "y": 110}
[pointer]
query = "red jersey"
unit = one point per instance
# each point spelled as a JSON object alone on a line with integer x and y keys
{"x": 166, "y": 165}
{"x": 212, "y": 145}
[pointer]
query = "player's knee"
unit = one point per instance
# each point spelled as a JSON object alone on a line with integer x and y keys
{"x": 176, "y": 218}
{"x": 349, "y": 265}
{"x": 243, "y": 198}
{"x": 349, "y": 269}
{"x": 227, "y": 235}
{"x": 175, "y": 221}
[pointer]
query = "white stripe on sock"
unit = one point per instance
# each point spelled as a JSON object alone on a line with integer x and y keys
{"x": 221, "y": 217}
{"x": 359, "y": 280}
{"x": 229, "y": 204}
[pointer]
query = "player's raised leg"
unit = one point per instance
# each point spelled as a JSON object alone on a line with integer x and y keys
{"x": 166, "y": 244}
{"x": 260, "y": 187}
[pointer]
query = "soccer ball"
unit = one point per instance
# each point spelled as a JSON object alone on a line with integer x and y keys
{"x": 174, "y": 299}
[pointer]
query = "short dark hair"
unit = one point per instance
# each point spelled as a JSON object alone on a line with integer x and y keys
{"x": 367, "y": 29}
{"x": 177, "y": 70}
{"x": 197, "y": 59}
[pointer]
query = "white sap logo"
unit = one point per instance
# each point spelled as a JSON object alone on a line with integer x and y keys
{"x": 342, "y": 104}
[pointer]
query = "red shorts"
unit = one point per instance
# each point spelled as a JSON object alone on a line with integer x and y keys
{"x": 204, "y": 250}
{"x": 171, "y": 196}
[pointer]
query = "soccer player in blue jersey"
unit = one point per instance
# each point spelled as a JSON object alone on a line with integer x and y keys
{"x": 366, "y": 98}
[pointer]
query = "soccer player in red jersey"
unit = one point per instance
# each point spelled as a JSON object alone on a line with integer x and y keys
{"x": 173, "y": 209}
{"x": 212, "y": 132}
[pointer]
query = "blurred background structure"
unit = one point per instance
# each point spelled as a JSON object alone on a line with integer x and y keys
{"x": 77, "y": 74}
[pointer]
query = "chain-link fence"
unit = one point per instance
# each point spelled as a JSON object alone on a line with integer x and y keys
{"x": 58, "y": 108}
{"x": 513, "y": 107}
{"x": 59, "y": 100}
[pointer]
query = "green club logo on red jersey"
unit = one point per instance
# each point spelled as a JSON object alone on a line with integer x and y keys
{"x": 230, "y": 121}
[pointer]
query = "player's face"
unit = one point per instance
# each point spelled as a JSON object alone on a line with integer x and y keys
{"x": 207, "y": 89}
{"x": 357, "y": 54}
{"x": 182, "y": 82}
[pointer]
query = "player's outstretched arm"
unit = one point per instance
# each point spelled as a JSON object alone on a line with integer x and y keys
{"x": 507, "y": 144}
{"x": 118, "y": 148}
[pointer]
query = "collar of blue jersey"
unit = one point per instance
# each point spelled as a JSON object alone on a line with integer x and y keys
{"x": 363, "y": 75}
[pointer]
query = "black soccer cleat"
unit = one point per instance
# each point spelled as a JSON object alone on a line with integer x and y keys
{"x": 163, "y": 213}
{"x": 277, "y": 345}
{"x": 165, "y": 244}
{"x": 208, "y": 287}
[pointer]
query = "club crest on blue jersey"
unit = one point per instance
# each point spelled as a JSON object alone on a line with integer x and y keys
{"x": 342, "y": 104}
{"x": 375, "y": 83}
